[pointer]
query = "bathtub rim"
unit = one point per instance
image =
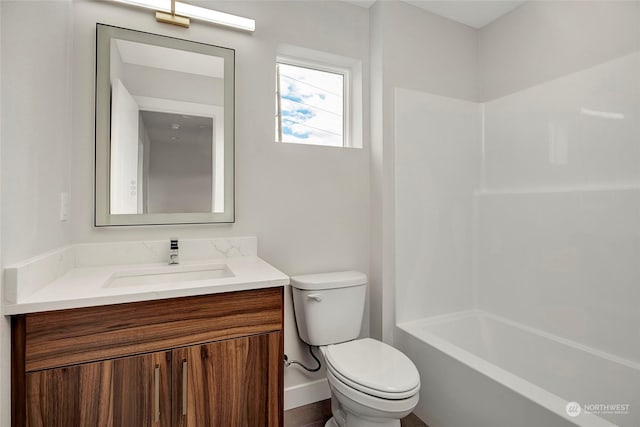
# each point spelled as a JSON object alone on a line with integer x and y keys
{"x": 524, "y": 388}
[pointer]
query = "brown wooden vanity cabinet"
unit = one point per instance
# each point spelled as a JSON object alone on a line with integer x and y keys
{"x": 209, "y": 361}
{"x": 240, "y": 368}
{"x": 117, "y": 392}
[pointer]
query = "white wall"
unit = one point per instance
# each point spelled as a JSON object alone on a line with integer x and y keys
{"x": 309, "y": 206}
{"x": 543, "y": 40}
{"x": 36, "y": 151}
{"x": 5, "y": 327}
{"x": 36, "y": 140}
{"x": 426, "y": 52}
{"x": 437, "y": 155}
{"x": 413, "y": 49}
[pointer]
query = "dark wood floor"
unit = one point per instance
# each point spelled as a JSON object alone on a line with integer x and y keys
{"x": 316, "y": 414}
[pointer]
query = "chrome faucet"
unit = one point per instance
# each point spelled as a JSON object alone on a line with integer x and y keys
{"x": 173, "y": 252}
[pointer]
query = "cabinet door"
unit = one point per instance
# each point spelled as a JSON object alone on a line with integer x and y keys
{"x": 232, "y": 383}
{"x": 130, "y": 391}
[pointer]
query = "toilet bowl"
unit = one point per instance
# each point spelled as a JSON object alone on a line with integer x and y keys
{"x": 351, "y": 408}
{"x": 372, "y": 384}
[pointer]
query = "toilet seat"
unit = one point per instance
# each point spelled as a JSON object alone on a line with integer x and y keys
{"x": 370, "y": 391}
{"x": 375, "y": 406}
{"x": 374, "y": 368}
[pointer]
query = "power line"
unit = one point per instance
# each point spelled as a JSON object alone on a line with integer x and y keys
{"x": 309, "y": 84}
{"x": 312, "y": 127}
{"x": 312, "y": 106}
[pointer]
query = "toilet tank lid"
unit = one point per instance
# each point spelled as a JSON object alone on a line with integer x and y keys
{"x": 340, "y": 279}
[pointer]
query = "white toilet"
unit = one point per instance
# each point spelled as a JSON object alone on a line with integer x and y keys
{"x": 372, "y": 384}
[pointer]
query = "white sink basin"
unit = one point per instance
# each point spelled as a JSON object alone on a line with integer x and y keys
{"x": 168, "y": 274}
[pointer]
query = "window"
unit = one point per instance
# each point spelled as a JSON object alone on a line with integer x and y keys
{"x": 311, "y": 104}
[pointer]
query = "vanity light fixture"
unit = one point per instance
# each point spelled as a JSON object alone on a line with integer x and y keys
{"x": 178, "y": 13}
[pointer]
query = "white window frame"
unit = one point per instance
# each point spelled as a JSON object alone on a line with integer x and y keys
{"x": 349, "y": 68}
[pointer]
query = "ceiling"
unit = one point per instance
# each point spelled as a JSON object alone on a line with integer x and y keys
{"x": 474, "y": 13}
{"x": 168, "y": 128}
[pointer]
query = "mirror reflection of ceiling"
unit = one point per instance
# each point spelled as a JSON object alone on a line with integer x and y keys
{"x": 168, "y": 128}
{"x": 164, "y": 73}
{"x": 170, "y": 59}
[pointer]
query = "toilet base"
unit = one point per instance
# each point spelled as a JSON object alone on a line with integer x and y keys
{"x": 363, "y": 423}
{"x": 331, "y": 423}
{"x": 349, "y": 418}
{"x": 352, "y": 408}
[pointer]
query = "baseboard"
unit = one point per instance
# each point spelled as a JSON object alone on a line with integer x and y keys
{"x": 304, "y": 394}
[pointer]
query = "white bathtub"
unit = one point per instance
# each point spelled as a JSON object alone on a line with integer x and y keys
{"x": 480, "y": 370}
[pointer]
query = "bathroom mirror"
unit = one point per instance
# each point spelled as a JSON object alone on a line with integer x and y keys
{"x": 164, "y": 130}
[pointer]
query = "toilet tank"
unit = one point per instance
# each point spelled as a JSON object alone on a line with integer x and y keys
{"x": 329, "y": 306}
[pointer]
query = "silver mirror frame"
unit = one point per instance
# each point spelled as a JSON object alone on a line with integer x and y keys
{"x": 102, "y": 213}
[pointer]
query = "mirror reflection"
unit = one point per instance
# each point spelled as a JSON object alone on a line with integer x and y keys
{"x": 169, "y": 153}
{"x": 166, "y": 111}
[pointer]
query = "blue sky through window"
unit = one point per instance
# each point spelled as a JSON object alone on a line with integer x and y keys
{"x": 311, "y": 106}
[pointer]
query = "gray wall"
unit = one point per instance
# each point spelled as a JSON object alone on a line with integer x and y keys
{"x": 180, "y": 177}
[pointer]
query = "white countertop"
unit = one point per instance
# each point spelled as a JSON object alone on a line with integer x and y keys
{"x": 85, "y": 286}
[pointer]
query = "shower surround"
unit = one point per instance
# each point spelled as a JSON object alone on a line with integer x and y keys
{"x": 517, "y": 249}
